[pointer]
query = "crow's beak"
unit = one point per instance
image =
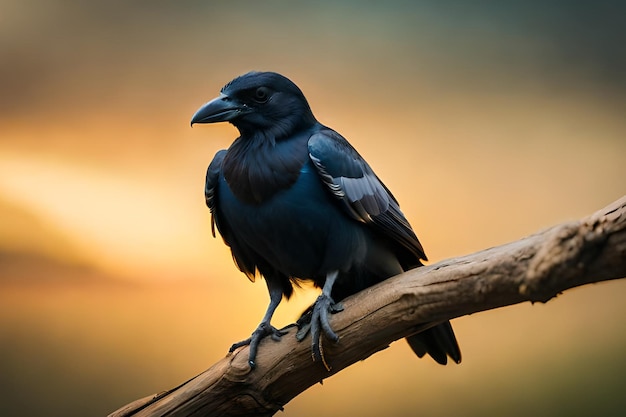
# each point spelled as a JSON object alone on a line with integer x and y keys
{"x": 220, "y": 109}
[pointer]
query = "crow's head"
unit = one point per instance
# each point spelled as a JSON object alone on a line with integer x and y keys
{"x": 259, "y": 103}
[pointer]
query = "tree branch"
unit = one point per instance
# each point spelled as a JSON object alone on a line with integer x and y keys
{"x": 535, "y": 268}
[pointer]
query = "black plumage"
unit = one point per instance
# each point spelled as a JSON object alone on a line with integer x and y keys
{"x": 295, "y": 201}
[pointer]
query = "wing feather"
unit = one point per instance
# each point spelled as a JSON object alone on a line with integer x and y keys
{"x": 210, "y": 185}
{"x": 242, "y": 255}
{"x": 365, "y": 198}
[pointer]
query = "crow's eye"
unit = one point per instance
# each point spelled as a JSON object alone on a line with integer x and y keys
{"x": 261, "y": 95}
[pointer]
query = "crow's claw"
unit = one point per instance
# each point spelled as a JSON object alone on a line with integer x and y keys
{"x": 336, "y": 308}
{"x": 318, "y": 322}
{"x": 261, "y": 332}
{"x": 304, "y": 322}
{"x": 303, "y": 330}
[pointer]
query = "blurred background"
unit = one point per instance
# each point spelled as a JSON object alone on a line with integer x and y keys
{"x": 489, "y": 121}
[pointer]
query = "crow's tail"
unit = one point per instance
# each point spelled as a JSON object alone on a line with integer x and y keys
{"x": 438, "y": 341}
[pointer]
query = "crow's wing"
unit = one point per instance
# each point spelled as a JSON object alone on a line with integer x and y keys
{"x": 362, "y": 194}
{"x": 241, "y": 254}
{"x": 210, "y": 185}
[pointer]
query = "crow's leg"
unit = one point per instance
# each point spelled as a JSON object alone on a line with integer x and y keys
{"x": 319, "y": 318}
{"x": 265, "y": 328}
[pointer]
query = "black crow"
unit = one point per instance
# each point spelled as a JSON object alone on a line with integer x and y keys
{"x": 295, "y": 201}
